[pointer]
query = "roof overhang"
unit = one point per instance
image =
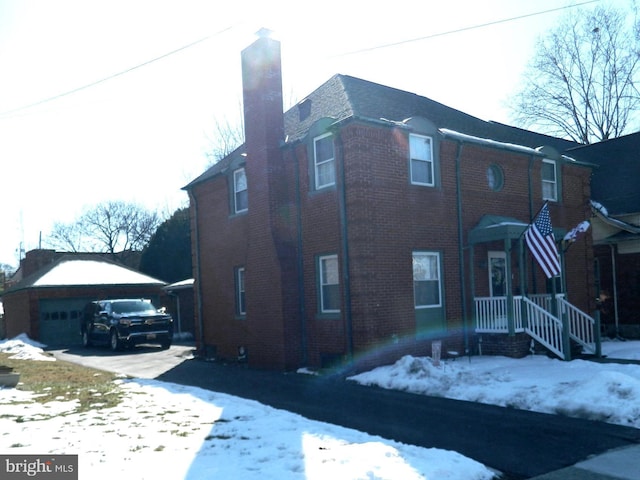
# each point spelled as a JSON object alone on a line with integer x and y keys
{"x": 493, "y": 228}
{"x": 182, "y": 285}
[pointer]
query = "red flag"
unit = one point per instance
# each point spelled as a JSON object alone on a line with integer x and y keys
{"x": 540, "y": 240}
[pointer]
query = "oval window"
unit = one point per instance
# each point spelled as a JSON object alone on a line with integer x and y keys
{"x": 495, "y": 178}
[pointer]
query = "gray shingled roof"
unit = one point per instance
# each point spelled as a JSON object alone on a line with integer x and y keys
{"x": 615, "y": 182}
{"x": 344, "y": 97}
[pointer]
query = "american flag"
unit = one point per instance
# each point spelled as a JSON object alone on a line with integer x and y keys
{"x": 539, "y": 238}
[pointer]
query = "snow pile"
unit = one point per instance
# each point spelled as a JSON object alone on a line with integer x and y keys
{"x": 23, "y": 348}
{"x": 608, "y": 392}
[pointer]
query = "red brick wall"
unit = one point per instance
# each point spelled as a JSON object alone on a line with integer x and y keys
{"x": 388, "y": 218}
{"x": 223, "y": 247}
{"x": 17, "y": 314}
{"x": 36, "y": 259}
{"x": 516, "y": 346}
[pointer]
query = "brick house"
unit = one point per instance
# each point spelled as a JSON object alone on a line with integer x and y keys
{"x": 368, "y": 222}
{"x": 616, "y": 230}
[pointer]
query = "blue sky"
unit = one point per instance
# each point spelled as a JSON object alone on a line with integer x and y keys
{"x": 141, "y": 135}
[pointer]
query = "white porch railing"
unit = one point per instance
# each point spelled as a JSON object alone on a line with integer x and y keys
{"x": 492, "y": 317}
{"x": 544, "y": 300}
{"x": 544, "y": 327}
{"x": 582, "y": 327}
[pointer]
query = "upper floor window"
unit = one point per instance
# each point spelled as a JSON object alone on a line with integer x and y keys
{"x": 240, "y": 194}
{"x": 426, "y": 279}
{"x": 421, "y": 155}
{"x": 495, "y": 177}
{"x": 324, "y": 161}
{"x": 329, "y": 284}
{"x": 549, "y": 180}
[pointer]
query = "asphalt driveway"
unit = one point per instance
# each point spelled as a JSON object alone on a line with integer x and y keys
{"x": 519, "y": 443}
{"x": 142, "y": 361}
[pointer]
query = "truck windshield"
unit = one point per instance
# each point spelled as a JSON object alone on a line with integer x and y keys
{"x": 133, "y": 306}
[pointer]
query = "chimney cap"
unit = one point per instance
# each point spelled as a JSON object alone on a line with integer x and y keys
{"x": 264, "y": 33}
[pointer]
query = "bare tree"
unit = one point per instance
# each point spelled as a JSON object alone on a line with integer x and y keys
{"x": 109, "y": 227}
{"x": 228, "y": 134}
{"x": 6, "y": 271}
{"x": 581, "y": 81}
{"x": 66, "y": 237}
{"x": 226, "y": 137}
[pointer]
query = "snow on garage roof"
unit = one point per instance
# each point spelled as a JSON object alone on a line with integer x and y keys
{"x": 92, "y": 272}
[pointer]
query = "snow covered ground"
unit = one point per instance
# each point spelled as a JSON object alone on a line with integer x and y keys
{"x": 608, "y": 392}
{"x": 184, "y": 432}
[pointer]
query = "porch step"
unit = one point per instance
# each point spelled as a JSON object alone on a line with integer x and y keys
{"x": 576, "y": 350}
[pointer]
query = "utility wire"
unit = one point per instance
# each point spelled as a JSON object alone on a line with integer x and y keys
{"x": 110, "y": 77}
{"x": 354, "y": 52}
{"x": 463, "y": 29}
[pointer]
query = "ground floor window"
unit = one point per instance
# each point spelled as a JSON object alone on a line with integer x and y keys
{"x": 426, "y": 279}
{"x": 241, "y": 307}
{"x": 329, "y": 279}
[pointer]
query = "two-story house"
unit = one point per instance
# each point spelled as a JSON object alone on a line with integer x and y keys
{"x": 616, "y": 230}
{"x": 368, "y": 222}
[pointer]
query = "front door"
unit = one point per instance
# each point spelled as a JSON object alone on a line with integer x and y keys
{"x": 498, "y": 274}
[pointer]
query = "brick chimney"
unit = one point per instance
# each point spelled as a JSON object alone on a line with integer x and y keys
{"x": 270, "y": 263}
{"x": 262, "y": 95}
{"x": 34, "y": 260}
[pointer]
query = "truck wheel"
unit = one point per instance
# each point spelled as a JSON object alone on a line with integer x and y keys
{"x": 86, "y": 341}
{"x": 115, "y": 342}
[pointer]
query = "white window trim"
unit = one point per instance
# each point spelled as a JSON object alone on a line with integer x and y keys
{"x": 236, "y": 191}
{"x": 241, "y": 291}
{"x": 316, "y": 164}
{"x": 430, "y": 162}
{"x": 321, "y": 259}
{"x": 437, "y": 256}
{"x": 553, "y": 183}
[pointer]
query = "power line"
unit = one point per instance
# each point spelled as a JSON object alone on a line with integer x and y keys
{"x": 378, "y": 47}
{"x": 110, "y": 77}
{"x": 463, "y": 29}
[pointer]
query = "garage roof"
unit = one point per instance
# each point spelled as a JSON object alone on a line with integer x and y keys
{"x": 73, "y": 271}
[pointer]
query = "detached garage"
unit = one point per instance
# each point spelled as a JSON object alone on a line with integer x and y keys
{"x": 51, "y": 289}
